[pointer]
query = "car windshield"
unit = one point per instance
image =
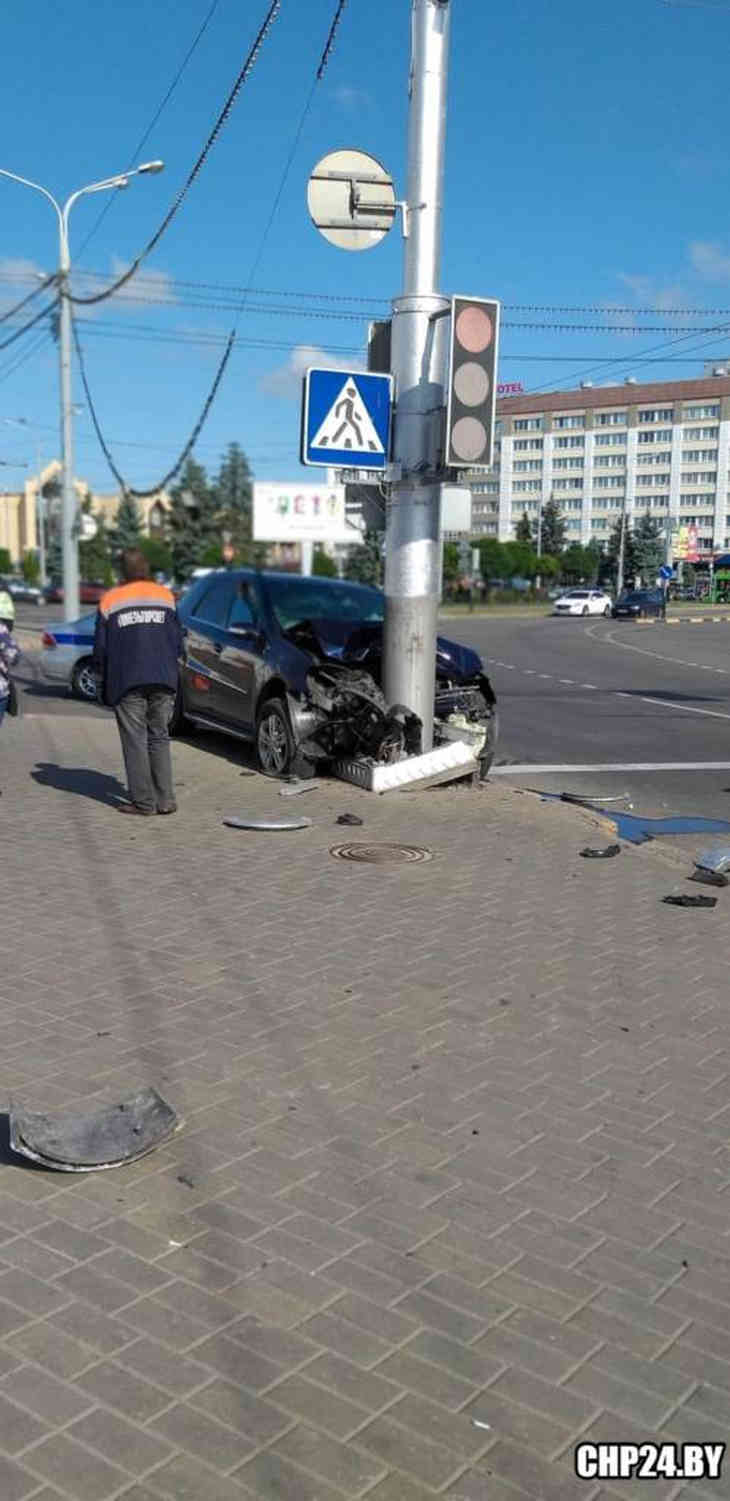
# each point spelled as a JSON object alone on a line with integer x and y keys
{"x": 295, "y": 600}
{"x": 633, "y": 597}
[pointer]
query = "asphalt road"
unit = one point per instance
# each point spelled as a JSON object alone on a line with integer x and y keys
{"x": 598, "y": 694}
{"x": 576, "y": 694}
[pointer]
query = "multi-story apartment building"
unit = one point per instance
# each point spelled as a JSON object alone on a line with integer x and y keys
{"x": 662, "y": 448}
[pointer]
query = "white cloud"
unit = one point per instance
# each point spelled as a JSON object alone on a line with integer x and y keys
{"x": 286, "y": 380}
{"x": 156, "y": 287}
{"x": 353, "y": 101}
{"x": 710, "y": 260}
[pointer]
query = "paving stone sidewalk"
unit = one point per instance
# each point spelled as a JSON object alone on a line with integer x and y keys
{"x": 452, "y": 1192}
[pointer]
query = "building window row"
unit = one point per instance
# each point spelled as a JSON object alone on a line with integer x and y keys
{"x": 610, "y": 419}
{"x": 568, "y": 483}
{"x": 656, "y": 414}
{"x": 652, "y": 479}
{"x": 661, "y": 435}
{"x": 699, "y": 455}
{"x": 568, "y": 442}
{"x": 610, "y": 440}
{"x": 573, "y": 463}
{"x": 524, "y": 486}
{"x": 696, "y": 434}
{"x": 645, "y": 459}
{"x": 574, "y": 420}
{"x": 523, "y": 445}
{"x": 528, "y": 424}
{"x": 521, "y": 465}
{"x": 692, "y": 519}
{"x": 609, "y": 482}
{"x": 694, "y": 414}
{"x": 610, "y": 461}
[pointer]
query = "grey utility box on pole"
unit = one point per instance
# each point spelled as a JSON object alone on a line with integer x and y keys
{"x": 420, "y": 345}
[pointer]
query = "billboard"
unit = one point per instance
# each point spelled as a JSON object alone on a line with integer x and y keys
{"x": 684, "y": 544}
{"x": 300, "y": 513}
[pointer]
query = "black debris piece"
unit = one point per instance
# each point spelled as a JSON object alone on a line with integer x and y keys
{"x": 85, "y": 1141}
{"x": 351, "y": 820}
{"x": 709, "y": 878}
{"x": 690, "y": 901}
{"x": 605, "y": 854}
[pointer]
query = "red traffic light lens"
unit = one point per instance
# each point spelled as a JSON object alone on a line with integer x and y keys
{"x": 474, "y": 329}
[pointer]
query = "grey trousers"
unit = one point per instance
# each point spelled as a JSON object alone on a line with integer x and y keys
{"x": 143, "y": 717}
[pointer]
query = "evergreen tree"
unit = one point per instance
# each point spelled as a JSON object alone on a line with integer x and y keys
{"x": 553, "y": 531}
{"x": 648, "y": 548}
{"x": 364, "y": 565}
{"x": 524, "y": 530}
{"x": 234, "y": 498}
{"x": 95, "y": 559}
{"x": 192, "y": 520}
{"x": 127, "y": 530}
{"x": 612, "y": 553}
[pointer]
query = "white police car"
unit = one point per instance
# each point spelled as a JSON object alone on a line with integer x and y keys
{"x": 65, "y": 656}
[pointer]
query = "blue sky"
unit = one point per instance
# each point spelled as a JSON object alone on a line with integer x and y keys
{"x": 587, "y": 167}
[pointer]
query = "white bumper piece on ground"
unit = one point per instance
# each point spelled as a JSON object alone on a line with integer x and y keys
{"x": 443, "y": 765}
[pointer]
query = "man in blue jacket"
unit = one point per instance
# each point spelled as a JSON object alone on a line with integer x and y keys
{"x": 137, "y": 647}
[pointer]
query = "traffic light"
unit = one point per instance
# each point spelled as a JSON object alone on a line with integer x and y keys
{"x": 472, "y": 383}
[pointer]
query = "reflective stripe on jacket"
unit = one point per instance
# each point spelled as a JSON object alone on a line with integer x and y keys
{"x": 138, "y": 639}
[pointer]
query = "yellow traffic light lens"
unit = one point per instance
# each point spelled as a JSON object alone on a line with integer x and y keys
{"x": 471, "y": 384}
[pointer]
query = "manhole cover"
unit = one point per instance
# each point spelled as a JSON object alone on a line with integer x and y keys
{"x": 381, "y": 854}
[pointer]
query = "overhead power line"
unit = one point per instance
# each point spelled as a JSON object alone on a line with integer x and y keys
{"x": 273, "y": 11}
{"x": 18, "y": 334}
{"x": 241, "y": 79}
{"x": 142, "y": 142}
{"x": 42, "y": 287}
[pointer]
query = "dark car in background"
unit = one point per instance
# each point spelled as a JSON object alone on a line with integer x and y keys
{"x": 89, "y": 592}
{"x": 294, "y": 664}
{"x": 637, "y": 604}
{"x": 20, "y": 591}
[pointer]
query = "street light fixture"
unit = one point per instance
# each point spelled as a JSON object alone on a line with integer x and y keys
{"x": 69, "y": 539}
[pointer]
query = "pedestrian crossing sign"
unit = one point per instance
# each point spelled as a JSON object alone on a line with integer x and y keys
{"x": 346, "y": 419}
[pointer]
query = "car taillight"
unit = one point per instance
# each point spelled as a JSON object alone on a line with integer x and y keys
{"x": 48, "y": 640}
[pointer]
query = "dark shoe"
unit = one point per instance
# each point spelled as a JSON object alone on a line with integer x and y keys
{"x": 132, "y": 808}
{"x": 171, "y": 809}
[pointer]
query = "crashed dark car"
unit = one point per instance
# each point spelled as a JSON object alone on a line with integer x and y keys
{"x": 294, "y": 664}
{"x": 637, "y": 604}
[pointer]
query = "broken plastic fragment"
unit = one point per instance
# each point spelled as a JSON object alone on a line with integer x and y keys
{"x": 268, "y": 824}
{"x": 476, "y": 1423}
{"x": 714, "y": 859}
{"x": 690, "y": 901}
{"x": 350, "y": 819}
{"x": 295, "y": 789}
{"x": 87, "y": 1141}
{"x": 607, "y": 854}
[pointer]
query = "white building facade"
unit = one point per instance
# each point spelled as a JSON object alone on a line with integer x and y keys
{"x": 662, "y": 448}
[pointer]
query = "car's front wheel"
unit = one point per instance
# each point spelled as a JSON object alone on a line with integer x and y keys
{"x": 83, "y": 681}
{"x": 585, "y": 610}
{"x": 276, "y": 750}
{"x": 607, "y": 612}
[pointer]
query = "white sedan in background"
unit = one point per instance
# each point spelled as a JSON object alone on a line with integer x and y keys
{"x": 583, "y": 602}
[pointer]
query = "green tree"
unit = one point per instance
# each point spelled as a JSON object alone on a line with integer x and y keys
{"x": 576, "y": 564}
{"x": 613, "y": 547}
{"x": 451, "y": 567}
{"x": 364, "y": 564}
{"x": 520, "y": 560}
{"x": 6, "y": 562}
{"x": 193, "y": 520}
{"x": 127, "y": 529}
{"x": 233, "y": 489}
{"x": 31, "y": 568}
{"x": 493, "y": 564}
{"x": 648, "y": 548}
{"x": 323, "y": 566}
{"x": 554, "y": 529}
{"x": 95, "y": 558}
{"x": 157, "y": 553}
{"x": 524, "y": 530}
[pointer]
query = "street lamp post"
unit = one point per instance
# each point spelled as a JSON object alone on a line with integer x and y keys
{"x": 69, "y": 532}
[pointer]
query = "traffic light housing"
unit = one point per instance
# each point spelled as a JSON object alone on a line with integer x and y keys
{"x": 472, "y": 391}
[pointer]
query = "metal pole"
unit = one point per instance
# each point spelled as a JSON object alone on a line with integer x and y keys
{"x": 621, "y": 552}
{"x": 419, "y": 357}
{"x": 41, "y": 516}
{"x": 69, "y": 540}
{"x": 538, "y": 579}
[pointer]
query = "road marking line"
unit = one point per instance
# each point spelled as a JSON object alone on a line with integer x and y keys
{"x": 643, "y": 651}
{"x": 568, "y": 680}
{"x": 592, "y": 686}
{"x": 528, "y": 770}
{"x": 665, "y": 704}
{"x": 546, "y": 675}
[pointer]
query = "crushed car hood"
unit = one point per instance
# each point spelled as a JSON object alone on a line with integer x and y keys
{"x": 343, "y": 641}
